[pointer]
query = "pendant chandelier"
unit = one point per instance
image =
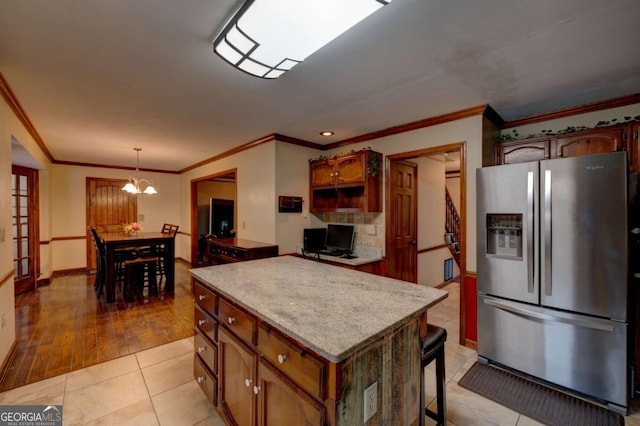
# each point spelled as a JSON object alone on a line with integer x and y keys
{"x": 133, "y": 186}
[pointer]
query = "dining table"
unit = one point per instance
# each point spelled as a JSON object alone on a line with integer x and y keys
{"x": 121, "y": 240}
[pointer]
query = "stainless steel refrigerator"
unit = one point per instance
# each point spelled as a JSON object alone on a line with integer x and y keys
{"x": 553, "y": 273}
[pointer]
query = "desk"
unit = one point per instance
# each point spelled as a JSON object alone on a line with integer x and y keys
{"x": 115, "y": 240}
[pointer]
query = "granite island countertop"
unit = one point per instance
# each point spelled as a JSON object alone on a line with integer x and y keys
{"x": 332, "y": 310}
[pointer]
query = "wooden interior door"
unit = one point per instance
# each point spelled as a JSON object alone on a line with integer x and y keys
{"x": 24, "y": 207}
{"x": 108, "y": 208}
{"x": 401, "y": 259}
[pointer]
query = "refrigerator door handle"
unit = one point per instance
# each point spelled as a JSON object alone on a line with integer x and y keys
{"x": 547, "y": 232}
{"x": 530, "y": 197}
{"x": 525, "y": 313}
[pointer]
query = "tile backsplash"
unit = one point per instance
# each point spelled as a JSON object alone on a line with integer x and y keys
{"x": 369, "y": 227}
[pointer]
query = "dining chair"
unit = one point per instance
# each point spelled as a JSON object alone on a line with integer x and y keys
{"x": 172, "y": 230}
{"x": 120, "y": 256}
{"x": 168, "y": 228}
{"x": 100, "y": 260}
{"x": 140, "y": 273}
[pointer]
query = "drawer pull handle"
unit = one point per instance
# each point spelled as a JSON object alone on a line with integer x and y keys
{"x": 256, "y": 389}
{"x": 202, "y": 379}
{"x": 202, "y": 349}
{"x": 247, "y": 382}
{"x": 202, "y": 297}
{"x": 231, "y": 320}
{"x": 282, "y": 358}
{"x": 202, "y": 321}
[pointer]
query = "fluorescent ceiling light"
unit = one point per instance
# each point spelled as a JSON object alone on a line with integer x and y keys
{"x": 266, "y": 38}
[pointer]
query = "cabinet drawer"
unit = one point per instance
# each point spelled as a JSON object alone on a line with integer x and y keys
{"x": 304, "y": 368}
{"x": 207, "y": 351}
{"x": 205, "y": 379}
{"x": 206, "y": 323}
{"x": 205, "y": 298}
{"x": 238, "y": 321}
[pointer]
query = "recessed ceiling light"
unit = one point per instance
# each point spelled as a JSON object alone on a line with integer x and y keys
{"x": 327, "y": 133}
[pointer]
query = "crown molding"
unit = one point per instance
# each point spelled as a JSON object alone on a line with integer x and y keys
{"x": 414, "y": 125}
{"x": 12, "y": 101}
{"x": 581, "y": 109}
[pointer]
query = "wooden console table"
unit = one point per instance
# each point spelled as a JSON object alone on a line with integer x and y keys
{"x": 230, "y": 250}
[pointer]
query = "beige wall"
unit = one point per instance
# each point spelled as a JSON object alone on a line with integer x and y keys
{"x": 68, "y": 213}
{"x": 431, "y": 221}
{"x": 292, "y": 179}
{"x": 453, "y": 185}
{"x": 10, "y": 127}
{"x": 208, "y": 190}
{"x": 256, "y": 202}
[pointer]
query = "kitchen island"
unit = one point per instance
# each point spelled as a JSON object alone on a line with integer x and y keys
{"x": 290, "y": 341}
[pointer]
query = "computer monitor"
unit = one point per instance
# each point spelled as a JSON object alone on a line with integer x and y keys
{"x": 340, "y": 237}
{"x": 313, "y": 240}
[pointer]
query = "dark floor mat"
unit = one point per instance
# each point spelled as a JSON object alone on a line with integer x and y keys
{"x": 534, "y": 400}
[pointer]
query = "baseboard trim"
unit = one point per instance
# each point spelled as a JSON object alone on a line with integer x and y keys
{"x": 471, "y": 344}
{"x": 43, "y": 281}
{"x": 5, "y": 278}
{"x": 8, "y": 360}
{"x": 63, "y": 272}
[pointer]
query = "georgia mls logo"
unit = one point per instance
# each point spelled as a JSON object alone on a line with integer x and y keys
{"x": 30, "y": 415}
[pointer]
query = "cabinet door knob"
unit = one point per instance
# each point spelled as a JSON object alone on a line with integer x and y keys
{"x": 231, "y": 320}
{"x": 256, "y": 389}
{"x": 202, "y": 349}
{"x": 202, "y": 379}
{"x": 282, "y": 358}
{"x": 247, "y": 382}
{"x": 202, "y": 297}
{"x": 202, "y": 321}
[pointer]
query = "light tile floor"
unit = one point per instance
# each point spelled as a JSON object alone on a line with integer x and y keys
{"x": 156, "y": 387}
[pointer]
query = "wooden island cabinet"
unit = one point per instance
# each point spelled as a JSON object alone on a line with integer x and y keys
{"x": 293, "y": 347}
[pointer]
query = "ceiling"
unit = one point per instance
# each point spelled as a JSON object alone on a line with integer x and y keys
{"x": 97, "y": 78}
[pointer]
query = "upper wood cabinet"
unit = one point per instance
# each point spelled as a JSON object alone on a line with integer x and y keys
{"x": 584, "y": 142}
{"x": 523, "y": 151}
{"x": 591, "y": 143}
{"x": 349, "y": 183}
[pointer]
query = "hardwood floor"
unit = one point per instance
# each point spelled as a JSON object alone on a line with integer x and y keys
{"x": 63, "y": 327}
